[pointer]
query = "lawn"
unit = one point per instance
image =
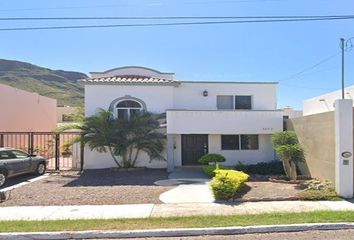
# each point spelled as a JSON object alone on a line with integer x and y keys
{"x": 178, "y": 222}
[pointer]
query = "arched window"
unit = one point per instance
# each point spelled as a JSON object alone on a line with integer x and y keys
{"x": 127, "y": 108}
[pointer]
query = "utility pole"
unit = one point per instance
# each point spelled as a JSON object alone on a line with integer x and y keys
{"x": 342, "y": 41}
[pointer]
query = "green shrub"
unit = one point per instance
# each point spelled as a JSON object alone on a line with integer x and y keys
{"x": 289, "y": 151}
{"x": 209, "y": 169}
{"x": 317, "y": 195}
{"x": 284, "y": 138}
{"x": 263, "y": 168}
{"x": 226, "y": 183}
{"x": 319, "y": 190}
{"x": 211, "y": 157}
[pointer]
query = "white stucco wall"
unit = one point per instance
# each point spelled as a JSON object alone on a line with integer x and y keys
{"x": 265, "y": 152}
{"x": 156, "y": 98}
{"x": 224, "y": 122}
{"x": 344, "y": 143}
{"x": 96, "y": 160}
{"x": 190, "y": 95}
{"x": 325, "y": 102}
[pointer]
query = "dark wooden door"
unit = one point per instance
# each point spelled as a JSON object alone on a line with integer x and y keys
{"x": 193, "y": 147}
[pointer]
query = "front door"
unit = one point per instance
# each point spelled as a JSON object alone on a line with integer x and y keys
{"x": 193, "y": 147}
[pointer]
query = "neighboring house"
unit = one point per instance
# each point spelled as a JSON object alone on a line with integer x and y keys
{"x": 325, "y": 102}
{"x": 235, "y": 119}
{"x": 22, "y": 111}
{"x": 326, "y": 134}
{"x": 65, "y": 114}
{"x": 289, "y": 112}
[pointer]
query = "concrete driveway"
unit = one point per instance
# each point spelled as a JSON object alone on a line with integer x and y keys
{"x": 192, "y": 186}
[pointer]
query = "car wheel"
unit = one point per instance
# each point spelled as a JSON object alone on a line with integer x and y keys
{"x": 41, "y": 169}
{"x": 2, "y": 178}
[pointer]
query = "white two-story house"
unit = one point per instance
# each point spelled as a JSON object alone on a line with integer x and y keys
{"x": 235, "y": 119}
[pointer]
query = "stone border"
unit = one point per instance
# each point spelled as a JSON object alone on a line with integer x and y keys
{"x": 294, "y": 198}
{"x": 177, "y": 232}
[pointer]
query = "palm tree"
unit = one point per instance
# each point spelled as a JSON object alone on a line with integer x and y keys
{"x": 141, "y": 134}
{"x": 101, "y": 132}
{"x": 123, "y": 138}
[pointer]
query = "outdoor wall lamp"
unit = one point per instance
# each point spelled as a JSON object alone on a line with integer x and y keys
{"x": 205, "y": 93}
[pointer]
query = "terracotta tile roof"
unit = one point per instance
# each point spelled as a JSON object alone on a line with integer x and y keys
{"x": 129, "y": 80}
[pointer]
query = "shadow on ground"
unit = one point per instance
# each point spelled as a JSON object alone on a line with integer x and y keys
{"x": 16, "y": 180}
{"x": 107, "y": 177}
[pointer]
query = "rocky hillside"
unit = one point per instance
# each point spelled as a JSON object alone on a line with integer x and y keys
{"x": 58, "y": 84}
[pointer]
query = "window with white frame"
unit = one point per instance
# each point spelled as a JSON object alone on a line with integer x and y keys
{"x": 225, "y": 102}
{"x": 232, "y": 102}
{"x": 127, "y": 108}
{"x": 239, "y": 142}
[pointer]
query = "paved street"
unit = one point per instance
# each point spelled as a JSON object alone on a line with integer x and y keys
{"x": 312, "y": 235}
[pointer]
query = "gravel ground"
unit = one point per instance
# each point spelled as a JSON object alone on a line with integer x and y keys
{"x": 310, "y": 235}
{"x": 269, "y": 190}
{"x": 94, "y": 187}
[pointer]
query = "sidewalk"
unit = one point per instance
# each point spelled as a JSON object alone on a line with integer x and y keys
{"x": 164, "y": 210}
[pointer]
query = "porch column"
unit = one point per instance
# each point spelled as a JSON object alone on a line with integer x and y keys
{"x": 170, "y": 153}
{"x": 344, "y": 147}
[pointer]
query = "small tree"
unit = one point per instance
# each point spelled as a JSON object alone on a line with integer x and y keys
{"x": 211, "y": 157}
{"x": 289, "y": 151}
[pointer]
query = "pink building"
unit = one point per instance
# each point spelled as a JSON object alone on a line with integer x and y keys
{"x": 25, "y": 111}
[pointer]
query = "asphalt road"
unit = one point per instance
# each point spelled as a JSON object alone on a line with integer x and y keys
{"x": 310, "y": 235}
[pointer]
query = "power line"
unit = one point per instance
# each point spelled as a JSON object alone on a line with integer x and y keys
{"x": 176, "y": 23}
{"x": 310, "y": 68}
{"x": 173, "y": 17}
{"x": 298, "y": 74}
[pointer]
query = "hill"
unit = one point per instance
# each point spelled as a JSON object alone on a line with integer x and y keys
{"x": 58, "y": 84}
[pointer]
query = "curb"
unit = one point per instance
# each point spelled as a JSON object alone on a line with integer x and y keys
{"x": 176, "y": 232}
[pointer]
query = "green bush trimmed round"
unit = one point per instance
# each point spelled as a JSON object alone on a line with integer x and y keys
{"x": 211, "y": 157}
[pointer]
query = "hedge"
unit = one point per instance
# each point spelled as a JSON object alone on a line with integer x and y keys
{"x": 263, "y": 168}
{"x": 226, "y": 183}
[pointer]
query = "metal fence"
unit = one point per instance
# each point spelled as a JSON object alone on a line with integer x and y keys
{"x": 64, "y": 151}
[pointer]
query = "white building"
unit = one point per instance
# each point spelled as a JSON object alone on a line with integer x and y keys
{"x": 325, "y": 102}
{"x": 235, "y": 119}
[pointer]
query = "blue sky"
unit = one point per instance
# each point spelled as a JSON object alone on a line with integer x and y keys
{"x": 248, "y": 52}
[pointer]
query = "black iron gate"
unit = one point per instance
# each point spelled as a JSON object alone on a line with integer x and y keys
{"x": 64, "y": 151}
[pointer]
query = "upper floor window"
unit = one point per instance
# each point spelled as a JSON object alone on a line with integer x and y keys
{"x": 127, "y": 108}
{"x": 243, "y": 102}
{"x": 234, "y": 102}
{"x": 225, "y": 102}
